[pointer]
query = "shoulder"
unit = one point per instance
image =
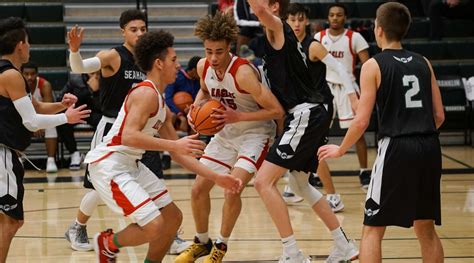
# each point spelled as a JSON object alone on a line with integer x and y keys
{"x": 108, "y": 55}
{"x": 370, "y": 66}
{"x": 244, "y": 71}
{"x": 11, "y": 76}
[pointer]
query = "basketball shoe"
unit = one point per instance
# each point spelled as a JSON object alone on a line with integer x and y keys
{"x": 195, "y": 251}
{"x": 217, "y": 253}
{"x": 343, "y": 254}
{"x": 335, "y": 202}
{"x": 101, "y": 247}
{"x": 300, "y": 258}
{"x": 315, "y": 181}
{"x": 77, "y": 235}
{"x": 51, "y": 165}
{"x": 290, "y": 197}
{"x": 179, "y": 245}
{"x": 76, "y": 161}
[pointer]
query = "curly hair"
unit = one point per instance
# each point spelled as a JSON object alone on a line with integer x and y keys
{"x": 220, "y": 27}
{"x": 12, "y": 31}
{"x": 151, "y": 46}
{"x": 130, "y": 15}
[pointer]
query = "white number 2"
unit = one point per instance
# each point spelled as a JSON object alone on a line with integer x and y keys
{"x": 415, "y": 89}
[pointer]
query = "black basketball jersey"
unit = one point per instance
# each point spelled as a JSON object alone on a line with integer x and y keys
{"x": 404, "y": 98}
{"x": 317, "y": 71}
{"x": 13, "y": 133}
{"x": 114, "y": 89}
{"x": 287, "y": 72}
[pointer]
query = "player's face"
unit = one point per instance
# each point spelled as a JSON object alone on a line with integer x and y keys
{"x": 30, "y": 75}
{"x": 217, "y": 53}
{"x": 24, "y": 48}
{"x": 170, "y": 67}
{"x": 336, "y": 18}
{"x": 298, "y": 23}
{"x": 133, "y": 30}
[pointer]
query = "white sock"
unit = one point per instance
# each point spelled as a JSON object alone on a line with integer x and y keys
{"x": 339, "y": 237}
{"x": 289, "y": 246}
{"x": 51, "y": 158}
{"x": 203, "y": 237}
{"x": 222, "y": 239}
{"x": 363, "y": 169}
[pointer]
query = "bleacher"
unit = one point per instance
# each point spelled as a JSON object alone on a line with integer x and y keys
{"x": 48, "y": 21}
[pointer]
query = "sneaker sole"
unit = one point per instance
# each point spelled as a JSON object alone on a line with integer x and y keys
{"x": 96, "y": 246}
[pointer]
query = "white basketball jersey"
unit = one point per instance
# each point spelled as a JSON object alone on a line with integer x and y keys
{"x": 344, "y": 48}
{"x": 39, "y": 85}
{"x": 228, "y": 92}
{"x": 113, "y": 141}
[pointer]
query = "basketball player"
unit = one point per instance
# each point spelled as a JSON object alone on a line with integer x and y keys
{"x": 298, "y": 19}
{"x": 21, "y": 114}
{"x": 118, "y": 74}
{"x": 303, "y": 92}
{"x": 128, "y": 187}
{"x": 42, "y": 91}
{"x": 404, "y": 190}
{"x": 346, "y": 46}
{"x": 240, "y": 147}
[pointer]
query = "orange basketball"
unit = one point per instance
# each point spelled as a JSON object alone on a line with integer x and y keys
{"x": 202, "y": 119}
{"x": 182, "y": 99}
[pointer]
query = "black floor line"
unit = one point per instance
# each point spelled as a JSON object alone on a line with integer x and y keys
{"x": 456, "y": 160}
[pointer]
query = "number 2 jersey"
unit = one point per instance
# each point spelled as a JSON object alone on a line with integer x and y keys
{"x": 404, "y": 99}
{"x": 228, "y": 92}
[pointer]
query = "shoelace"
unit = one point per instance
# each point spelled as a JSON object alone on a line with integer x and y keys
{"x": 82, "y": 234}
{"x": 217, "y": 253}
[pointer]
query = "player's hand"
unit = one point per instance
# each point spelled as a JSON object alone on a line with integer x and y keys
{"x": 38, "y": 134}
{"x": 77, "y": 115}
{"x": 329, "y": 151}
{"x": 68, "y": 100}
{"x": 229, "y": 183}
{"x": 188, "y": 116}
{"x": 74, "y": 38}
{"x": 224, "y": 117}
{"x": 190, "y": 145}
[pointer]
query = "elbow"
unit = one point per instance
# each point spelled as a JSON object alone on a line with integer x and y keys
{"x": 127, "y": 139}
{"x": 361, "y": 124}
{"x": 258, "y": 9}
{"x": 279, "y": 113}
{"x": 439, "y": 119}
{"x": 32, "y": 127}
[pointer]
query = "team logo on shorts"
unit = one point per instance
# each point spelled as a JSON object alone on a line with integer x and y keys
{"x": 371, "y": 207}
{"x": 8, "y": 207}
{"x": 284, "y": 155}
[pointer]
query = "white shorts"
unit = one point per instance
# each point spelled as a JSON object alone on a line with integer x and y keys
{"x": 342, "y": 104}
{"x": 246, "y": 151}
{"x": 128, "y": 187}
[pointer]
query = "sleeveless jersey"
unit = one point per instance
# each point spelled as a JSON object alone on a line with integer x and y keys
{"x": 39, "y": 85}
{"x": 228, "y": 92}
{"x": 404, "y": 98}
{"x": 114, "y": 89}
{"x": 344, "y": 48}
{"x": 113, "y": 141}
{"x": 318, "y": 71}
{"x": 288, "y": 74}
{"x": 13, "y": 133}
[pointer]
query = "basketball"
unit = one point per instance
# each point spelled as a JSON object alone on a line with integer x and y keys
{"x": 182, "y": 99}
{"x": 202, "y": 119}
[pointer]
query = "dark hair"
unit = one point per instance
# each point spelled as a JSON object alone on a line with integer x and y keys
{"x": 30, "y": 64}
{"x": 130, "y": 15}
{"x": 219, "y": 27}
{"x": 394, "y": 18}
{"x": 297, "y": 8}
{"x": 151, "y": 46}
{"x": 12, "y": 31}
{"x": 192, "y": 63}
{"x": 340, "y": 5}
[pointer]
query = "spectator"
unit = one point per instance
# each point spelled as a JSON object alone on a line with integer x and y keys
{"x": 41, "y": 89}
{"x": 85, "y": 87}
{"x": 435, "y": 10}
{"x": 226, "y": 6}
{"x": 248, "y": 23}
{"x": 186, "y": 80}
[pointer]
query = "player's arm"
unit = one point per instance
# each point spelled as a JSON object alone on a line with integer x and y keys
{"x": 273, "y": 24}
{"x": 104, "y": 60}
{"x": 47, "y": 92}
{"x": 24, "y": 105}
{"x": 318, "y": 52}
{"x": 363, "y": 56}
{"x": 438, "y": 110}
{"x": 369, "y": 82}
{"x": 270, "y": 107}
{"x": 168, "y": 132}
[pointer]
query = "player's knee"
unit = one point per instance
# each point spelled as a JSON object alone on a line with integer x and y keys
{"x": 232, "y": 197}
{"x": 424, "y": 228}
{"x": 198, "y": 191}
{"x": 261, "y": 184}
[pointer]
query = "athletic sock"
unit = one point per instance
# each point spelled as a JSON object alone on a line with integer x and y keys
{"x": 339, "y": 237}
{"x": 203, "y": 237}
{"x": 289, "y": 246}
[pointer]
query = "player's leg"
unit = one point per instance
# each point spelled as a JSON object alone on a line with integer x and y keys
{"x": 333, "y": 198}
{"x": 371, "y": 244}
{"x": 8, "y": 228}
{"x": 431, "y": 247}
{"x": 51, "y": 141}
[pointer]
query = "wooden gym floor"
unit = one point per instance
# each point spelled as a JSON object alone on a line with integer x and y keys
{"x": 51, "y": 201}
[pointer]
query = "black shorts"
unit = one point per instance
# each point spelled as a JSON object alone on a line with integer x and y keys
{"x": 405, "y": 184}
{"x": 11, "y": 184}
{"x": 305, "y": 131}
